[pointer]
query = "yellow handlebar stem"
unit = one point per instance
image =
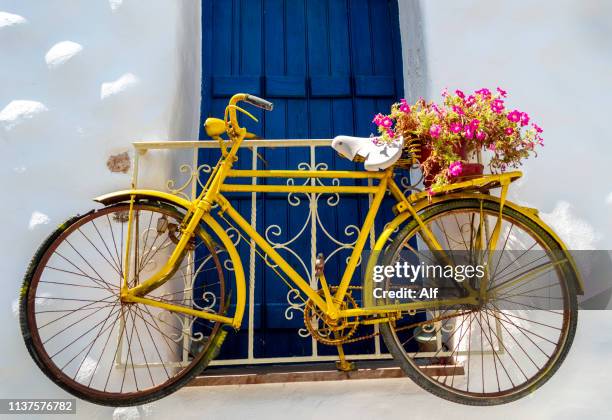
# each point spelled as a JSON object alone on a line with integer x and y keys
{"x": 232, "y": 110}
{"x": 235, "y": 108}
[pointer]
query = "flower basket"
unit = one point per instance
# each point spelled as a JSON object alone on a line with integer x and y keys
{"x": 441, "y": 137}
{"x": 417, "y": 150}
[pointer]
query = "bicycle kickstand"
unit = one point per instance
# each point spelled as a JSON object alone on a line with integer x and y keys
{"x": 319, "y": 265}
{"x": 344, "y": 365}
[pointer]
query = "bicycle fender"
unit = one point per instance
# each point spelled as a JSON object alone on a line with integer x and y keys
{"x": 126, "y": 195}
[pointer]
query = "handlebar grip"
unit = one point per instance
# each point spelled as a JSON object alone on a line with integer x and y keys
{"x": 258, "y": 102}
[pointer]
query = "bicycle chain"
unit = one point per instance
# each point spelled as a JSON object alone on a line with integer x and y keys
{"x": 363, "y": 337}
{"x": 406, "y": 327}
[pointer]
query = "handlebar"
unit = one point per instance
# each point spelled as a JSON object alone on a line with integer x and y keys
{"x": 259, "y": 102}
{"x": 232, "y": 128}
{"x": 243, "y": 97}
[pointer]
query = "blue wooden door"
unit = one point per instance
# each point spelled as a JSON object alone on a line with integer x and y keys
{"x": 328, "y": 66}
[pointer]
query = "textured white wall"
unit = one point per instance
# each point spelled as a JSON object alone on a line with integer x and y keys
{"x": 79, "y": 81}
{"x": 554, "y": 58}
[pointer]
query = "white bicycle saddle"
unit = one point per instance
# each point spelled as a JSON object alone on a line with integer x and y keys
{"x": 378, "y": 156}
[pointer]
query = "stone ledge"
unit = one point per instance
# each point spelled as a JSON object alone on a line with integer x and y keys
{"x": 314, "y": 372}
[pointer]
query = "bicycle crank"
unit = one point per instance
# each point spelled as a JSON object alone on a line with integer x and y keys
{"x": 326, "y": 330}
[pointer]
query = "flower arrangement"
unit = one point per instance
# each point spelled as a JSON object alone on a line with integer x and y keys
{"x": 461, "y": 125}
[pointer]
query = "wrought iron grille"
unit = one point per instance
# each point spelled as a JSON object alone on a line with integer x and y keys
{"x": 188, "y": 176}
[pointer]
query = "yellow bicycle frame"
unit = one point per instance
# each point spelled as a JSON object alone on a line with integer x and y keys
{"x": 198, "y": 211}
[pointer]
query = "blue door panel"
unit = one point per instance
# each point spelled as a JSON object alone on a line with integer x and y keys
{"x": 285, "y": 87}
{"x": 224, "y": 86}
{"x": 328, "y": 66}
{"x": 330, "y": 86}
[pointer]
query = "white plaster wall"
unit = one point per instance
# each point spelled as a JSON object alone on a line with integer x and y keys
{"x": 79, "y": 81}
{"x": 554, "y": 58}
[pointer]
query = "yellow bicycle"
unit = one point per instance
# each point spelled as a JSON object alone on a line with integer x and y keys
{"x": 106, "y": 315}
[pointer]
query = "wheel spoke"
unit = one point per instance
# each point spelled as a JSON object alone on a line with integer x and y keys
{"x": 142, "y": 349}
{"x": 71, "y": 311}
{"x": 98, "y": 281}
{"x": 106, "y": 287}
{"x": 99, "y": 252}
{"x": 91, "y": 344}
{"x": 116, "y": 263}
{"x": 75, "y": 340}
{"x": 118, "y": 252}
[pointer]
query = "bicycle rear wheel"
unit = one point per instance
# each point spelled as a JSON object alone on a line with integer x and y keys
{"x": 507, "y": 346}
{"x": 89, "y": 342}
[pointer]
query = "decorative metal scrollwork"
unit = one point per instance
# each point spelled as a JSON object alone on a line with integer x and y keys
{"x": 191, "y": 178}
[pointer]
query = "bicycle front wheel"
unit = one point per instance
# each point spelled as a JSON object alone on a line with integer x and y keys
{"x": 510, "y": 344}
{"x": 89, "y": 342}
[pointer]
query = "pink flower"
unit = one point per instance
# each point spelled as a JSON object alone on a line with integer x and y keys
{"x": 481, "y": 135}
{"x": 492, "y": 147}
{"x": 514, "y": 116}
{"x": 502, "y": 92}
{"x": 524, "y": 119}
{"x": 404, "y": 107}
{"x": 455, "y": 168}
{"x": 497, "y": 106}
{"x": 475, "y": 123}
{"x": 390, "y": 133}
{"x": 537, "y": 128}
{"x": 484, "y": 92}
{"x": 444, "y": 92}
{"x": 469, "y": 132}
{"x": 458, "y": 110}
{"x": 509, "y": 131}
{"x": 386, "y": 122}
{"x": 378, "y": 119}
{"x": 436, "y": 109}
{"x": 460, "y": 94}
{"x": 471, "y": 100}
{"x": 435, "y": 130}
{"x": 456, "y": 127}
